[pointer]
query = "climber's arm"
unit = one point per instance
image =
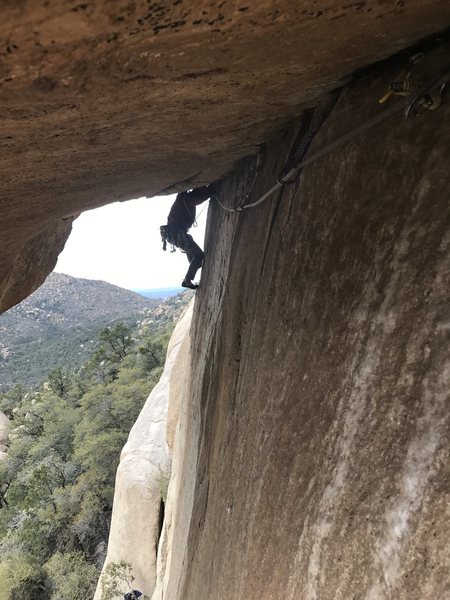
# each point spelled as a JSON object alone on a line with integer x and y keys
{"x": 200, "y": 194}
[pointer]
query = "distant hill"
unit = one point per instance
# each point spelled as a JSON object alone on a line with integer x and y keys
{"x": 57, "y": 324}
{"x": 159, "y": 292}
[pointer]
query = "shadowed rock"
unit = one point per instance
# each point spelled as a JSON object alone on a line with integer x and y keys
{"x": 110, "y": 101}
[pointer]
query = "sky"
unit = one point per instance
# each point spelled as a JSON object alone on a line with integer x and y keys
{"x": 120, "y": 243}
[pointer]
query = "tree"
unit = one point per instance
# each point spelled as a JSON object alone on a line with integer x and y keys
{"x": 71, "y": 576}
{"x": 114, "y": 347}
{"x": 153, "y": 353}
{"x": 101, "y": 367}
{"x": 57, "y": 481}
{"x": 117, "y": 580}
{"x": 12, "y": 399}
{"x": 21, "y": 577}
{"x": 116, "y": 341}
{"x": 59, "y": 382}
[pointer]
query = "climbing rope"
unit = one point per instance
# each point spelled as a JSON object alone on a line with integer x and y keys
{"x": 200, "y": 214}
{"x": 411, "y": 108}
{"x": 318, "y": 155}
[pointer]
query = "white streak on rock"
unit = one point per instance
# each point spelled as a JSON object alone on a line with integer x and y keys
{"x": 417, "y": 470}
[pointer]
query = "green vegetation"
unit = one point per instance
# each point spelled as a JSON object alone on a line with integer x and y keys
{"x": 58, "y": 326}
{"x": 57, "y": 482}
{"x": 31, "y": 361}
{"x": 117, "y": 580}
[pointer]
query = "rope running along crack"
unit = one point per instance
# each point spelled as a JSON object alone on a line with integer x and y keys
{"x": 340, "y": 141}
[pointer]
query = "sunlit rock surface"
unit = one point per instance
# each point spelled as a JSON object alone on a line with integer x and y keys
{"x": 105, "y": 101}
{"x": 143, "y": 474}
{"x": 179, "y": 428}
{"x": 311, "y": 455}
{"x": 5, "y": 426}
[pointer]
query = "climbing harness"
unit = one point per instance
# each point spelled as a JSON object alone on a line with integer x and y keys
{"x": 168, "y": 235}
{"x": 424, "y": 97}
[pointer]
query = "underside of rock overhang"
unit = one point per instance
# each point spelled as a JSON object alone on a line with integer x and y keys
{"x": 110, "y": 101}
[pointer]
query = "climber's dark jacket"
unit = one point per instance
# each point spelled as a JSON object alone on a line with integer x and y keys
{"x": 183, "y": 211}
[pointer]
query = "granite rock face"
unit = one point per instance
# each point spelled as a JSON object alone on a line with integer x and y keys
{"x": 107, "y": 101}
{"x": 311, "y": 435}
{"x": 5, "y": 426}
{"x": 143, "y": 474}
{"x": 312, "y": 449}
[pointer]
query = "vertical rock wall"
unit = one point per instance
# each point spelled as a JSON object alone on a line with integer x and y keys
{"x": 143, "y": 474}
{"x": 311, "y": 454}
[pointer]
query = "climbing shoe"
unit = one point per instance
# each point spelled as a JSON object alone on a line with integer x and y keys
{"x": 189, "y": 284}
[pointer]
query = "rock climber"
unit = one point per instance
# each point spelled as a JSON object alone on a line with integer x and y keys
{"x": 181, "y": 218}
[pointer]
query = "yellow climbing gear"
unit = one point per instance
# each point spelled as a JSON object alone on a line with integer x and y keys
{"x": 414, "y": 80}
{"x": 403, "y": 85}
{"x": 421, "y": 94}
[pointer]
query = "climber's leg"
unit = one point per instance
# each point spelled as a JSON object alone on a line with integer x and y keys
{"x": 195, "y": 257}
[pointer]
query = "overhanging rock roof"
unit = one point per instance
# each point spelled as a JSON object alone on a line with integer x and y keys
{"x": 105, "y": 101}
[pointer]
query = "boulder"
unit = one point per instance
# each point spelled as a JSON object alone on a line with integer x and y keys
{"x": 5, "y": 426}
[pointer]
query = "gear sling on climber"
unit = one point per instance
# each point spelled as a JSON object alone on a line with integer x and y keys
{"x": 180, "y": 220}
